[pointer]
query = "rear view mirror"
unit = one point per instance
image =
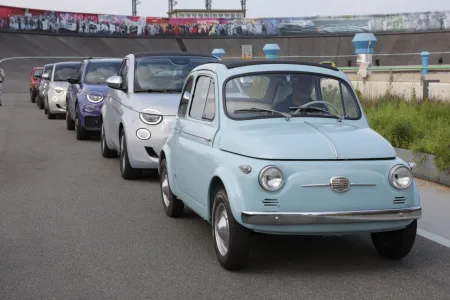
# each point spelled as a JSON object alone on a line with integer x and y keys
{"x": 45, "y": 76}
{"x": 114, "y": 82}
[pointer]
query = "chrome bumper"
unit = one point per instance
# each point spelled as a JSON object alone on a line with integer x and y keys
{"x": 345, "y": 217}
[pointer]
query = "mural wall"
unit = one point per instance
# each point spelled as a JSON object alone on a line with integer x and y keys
{"x": 16, "y": 19}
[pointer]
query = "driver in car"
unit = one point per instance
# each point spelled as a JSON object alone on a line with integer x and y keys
{"x": 302, "y": 87}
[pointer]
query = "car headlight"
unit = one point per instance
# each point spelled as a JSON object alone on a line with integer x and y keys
{"x": 150, "y": 119}
{"x": 59, "y": 91}
{"x": 270, "y": 178}
{"x": 400, "y": 177}
{"x": 94, "y": 97}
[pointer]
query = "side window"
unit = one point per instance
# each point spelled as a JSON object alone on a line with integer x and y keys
{"x": 199, "y": 98}
{"x": 350, "y": 105}
{"x": 210, "y": 107}
{"x": 185, "y": 96}
{"x": 124, "y": 73}
{"x": 80, "y": 72}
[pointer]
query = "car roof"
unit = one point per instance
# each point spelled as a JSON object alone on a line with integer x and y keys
{"x": 37, "y": 68}
{"x": 171, "y": 53}
{"x": 68, "y": 63}
{"x": 232, "y": 64}
{"x": 103, "y": 59}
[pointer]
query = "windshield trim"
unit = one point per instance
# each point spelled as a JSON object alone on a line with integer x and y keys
{"x": 206, "y": 58}
{"x": 343, "y": 81}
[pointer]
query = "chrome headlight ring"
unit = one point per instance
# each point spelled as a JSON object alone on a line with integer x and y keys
{"x": 94, "y": 97}
{"x": 400, "y": 177}
{"x": 150, "y": 119}
{"x": 271, "y": 178}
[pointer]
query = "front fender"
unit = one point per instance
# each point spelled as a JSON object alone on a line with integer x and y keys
{"x": 234, "y": 191}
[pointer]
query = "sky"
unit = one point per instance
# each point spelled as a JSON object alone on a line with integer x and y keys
{"x": 255, "y": 8}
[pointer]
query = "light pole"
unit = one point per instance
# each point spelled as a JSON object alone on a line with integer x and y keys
{"x": 134, "y": 4}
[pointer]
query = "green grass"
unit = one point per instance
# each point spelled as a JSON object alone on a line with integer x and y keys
{"x": 414, "y": 125}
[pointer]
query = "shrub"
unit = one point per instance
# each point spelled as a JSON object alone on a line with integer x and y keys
{"x": 417, "y": 126}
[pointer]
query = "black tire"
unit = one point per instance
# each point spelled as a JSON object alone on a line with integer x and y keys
{"x": 32, "y": 97}
{"x": 81, "y": 133}
{"x": 70, "y": 123}
{"x": 49, "y": 114}
{"x": 40, "y": 102}
{"x": 126, "y": 170}
{"x": 45, "y": 105}
{"x": 173, "y": 206}
{"x": 395, "y": 244}
{"x": 236, "y": 254}
{"x": 106, "y": 151}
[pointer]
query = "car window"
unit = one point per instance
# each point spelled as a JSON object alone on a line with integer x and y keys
{"x": 124, "y": 72}
{"x": 48, "y": 70}
{"x": 37, "y": 72}
{"x": 64, "y": 72}
{"x": 199, "y": 99}
{"x": 184, "y": 102}
{"x": 164, "y": 73}
{"x": 287, "y": 92}
{"x": 209, "y": 111}
{"x": 99, "y": 72}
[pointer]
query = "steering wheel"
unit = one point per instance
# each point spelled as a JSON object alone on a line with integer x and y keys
{"x": 324, "y": 102}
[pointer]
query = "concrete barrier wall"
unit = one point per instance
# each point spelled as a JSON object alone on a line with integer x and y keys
{"x": 408, "y": 84}
{"x": 426, "y": 169}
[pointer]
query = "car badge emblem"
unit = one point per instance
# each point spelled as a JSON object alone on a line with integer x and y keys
{"x": 339, "y": 184}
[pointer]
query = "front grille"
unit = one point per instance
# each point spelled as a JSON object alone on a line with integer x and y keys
{"x": 271, "y": 202}
{"x": 151, "y": 152}
{"x": 399, "y": 200}
{"x": 93, "y": 122}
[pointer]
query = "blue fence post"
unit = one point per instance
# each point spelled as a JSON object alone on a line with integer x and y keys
{"x": 271, "y": 51}
{"x": 219, "y": 53}
{"x": 425, "y": 57}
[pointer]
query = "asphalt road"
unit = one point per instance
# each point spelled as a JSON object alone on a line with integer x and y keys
{"x": 72, "y": 228}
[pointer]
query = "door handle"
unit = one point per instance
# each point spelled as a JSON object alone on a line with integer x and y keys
{"x": 201, "y": 137}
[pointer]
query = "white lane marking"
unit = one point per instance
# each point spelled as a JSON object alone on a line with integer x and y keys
{"x": 434, "y": 237}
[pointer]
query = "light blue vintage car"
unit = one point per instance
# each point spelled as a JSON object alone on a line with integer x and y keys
{"x": 295, "y": 155}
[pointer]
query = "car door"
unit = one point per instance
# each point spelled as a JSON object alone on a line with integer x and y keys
{"x": 196, "y": 139}
{"x": 114, "y": 107}
{"x": 74, "y": 89}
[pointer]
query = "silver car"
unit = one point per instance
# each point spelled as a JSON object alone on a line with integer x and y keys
{"x": 55, "y": 99}
{"x": 43, "y": 84}
{"x": 142, "y": 105}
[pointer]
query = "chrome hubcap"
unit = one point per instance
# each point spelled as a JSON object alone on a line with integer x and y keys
{"x": 221, "y": 229}
{"x": 165, "y": 189}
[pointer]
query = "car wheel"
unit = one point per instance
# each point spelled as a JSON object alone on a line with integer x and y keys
{"x": 173, "y": 206}
{"x": 70, "y": 124}
{"x": 395, "y": 244}
{"x": 81, "y": 134}
{"x": 106, "y": 151}
{"x": 231, "y": 240}
{"x": 32, "y": 97}
{"x": 40, "y": 103}
{"x": 126, "y": 170}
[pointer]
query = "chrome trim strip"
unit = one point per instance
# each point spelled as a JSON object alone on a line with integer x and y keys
{"x": 201, "y": 137}
{"x": 344, "y": 217}
{"x": 329, "y": 184}
{"x": 327, "y": 137}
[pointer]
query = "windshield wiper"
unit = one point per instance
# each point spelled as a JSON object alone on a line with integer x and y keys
{"x": 297, "y": 109}
{"x": 257, "y": 109}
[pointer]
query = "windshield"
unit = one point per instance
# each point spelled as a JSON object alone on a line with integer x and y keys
{"x": 37, "y": 72}
{"x": 64, "y": 72}
{"x": 164, "y": 73}
{"x": 48, "y": 70}
{"x": 295, "y": 94}
{"x": 99, "y": 72}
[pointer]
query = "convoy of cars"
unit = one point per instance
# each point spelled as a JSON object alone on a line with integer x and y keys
{"x": 251, "y": 146}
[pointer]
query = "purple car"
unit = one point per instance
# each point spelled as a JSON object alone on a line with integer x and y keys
{"x": 86, "y": 93}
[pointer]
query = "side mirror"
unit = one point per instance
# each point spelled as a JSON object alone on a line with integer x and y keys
{"x": 114, "y": 82}
{"x": 186, "y": 96}
{"x": 73, "y": 80}
{"x": 45, "y": 76}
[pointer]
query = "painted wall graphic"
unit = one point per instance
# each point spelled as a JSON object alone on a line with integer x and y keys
{"x": 17, "y": 19}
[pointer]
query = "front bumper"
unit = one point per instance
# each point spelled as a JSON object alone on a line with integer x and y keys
{"x": 344, "y": 217}
{"x": 91, "y": 116}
